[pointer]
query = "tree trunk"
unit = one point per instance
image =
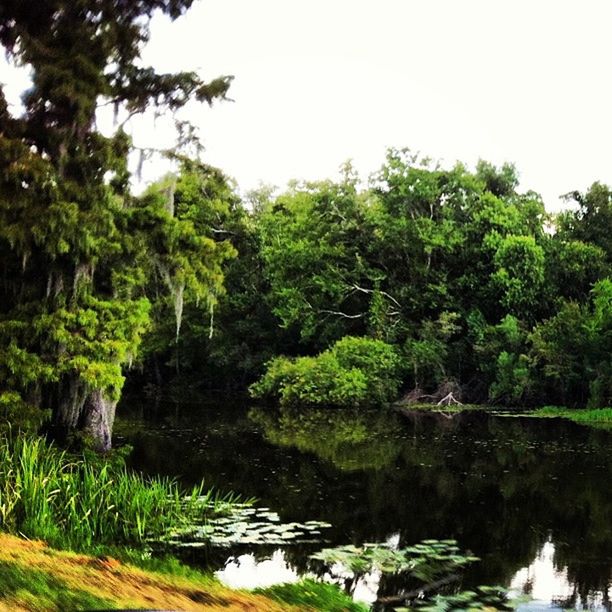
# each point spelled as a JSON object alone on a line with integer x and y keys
{"x": 77, "y": 409}
{"x": 66, "y": 400}
{"x": 98, "y": 419}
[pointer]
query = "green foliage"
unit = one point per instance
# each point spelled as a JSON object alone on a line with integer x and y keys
{"x": 519, "y": 274}
{"x": 18, "y": 415}
{"x": 573, "y": 267}
{"x": 312, "y": 381}
{"x": 590, "y": 222}
{"x": 227, "y": 335}
{"x": 502, "y": 352}
{"x": 312, "y": 242}
{"x": 500, "y": 183}
{"x": 456, "y": 269}
{"x": 354, "y": 371}
{"x": 571, "y": 350}
{"x": 76, "y": 250}
{"x": 425, "y": 562}
{"x": 512, "y": 378}
{"x": 312, "y": 595}
{"x": 428, "y": 353}
{"x": 46, "y": 493}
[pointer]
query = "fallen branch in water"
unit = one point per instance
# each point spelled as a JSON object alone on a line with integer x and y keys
{"x": 405, "y": 597}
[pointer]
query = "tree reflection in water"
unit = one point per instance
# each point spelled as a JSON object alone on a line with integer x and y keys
{"x": 502, "y": 487}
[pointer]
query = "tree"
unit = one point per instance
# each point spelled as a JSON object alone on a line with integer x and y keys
{"x": 428, "y": 353}
{"x": 312, "y": 246}
{"x": 591, "y": 221}
{"x": 572, "y": 349}
{"x": 502, "y": 359}
{"x": 520, "y": 275}
{"x": 73, "y": 309}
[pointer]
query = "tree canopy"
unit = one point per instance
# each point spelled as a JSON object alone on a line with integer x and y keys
{"x": 77, "y": 250}
{"x": 446, "y": 275}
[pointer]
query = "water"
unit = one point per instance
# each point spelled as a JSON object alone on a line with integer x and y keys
{"x": 531, "y": 497}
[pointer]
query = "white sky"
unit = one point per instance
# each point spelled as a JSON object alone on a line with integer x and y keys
{"x": 321, "y": 81}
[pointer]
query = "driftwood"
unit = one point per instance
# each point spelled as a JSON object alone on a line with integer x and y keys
{"x": 448, "y": 393}
{"x": 449, "y": 399}
{"x": 406, "y": 597}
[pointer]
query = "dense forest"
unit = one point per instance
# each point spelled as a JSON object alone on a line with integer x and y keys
{"x": 427, "y": 279}
{"x": 423, "y": 283}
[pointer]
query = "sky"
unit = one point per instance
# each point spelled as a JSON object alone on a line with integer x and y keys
{"x": 318, "y": 82}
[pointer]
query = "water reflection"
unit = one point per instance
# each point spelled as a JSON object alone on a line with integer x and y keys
{"x": 543, "y": 582}
{"x": 504, "y": 488}
{"x": 246, "y": 572}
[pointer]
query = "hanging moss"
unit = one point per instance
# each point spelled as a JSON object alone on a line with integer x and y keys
{"x": 77, "y": 251}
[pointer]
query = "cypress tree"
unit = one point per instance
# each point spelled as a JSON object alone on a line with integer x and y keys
{"x": 75, "y": 247}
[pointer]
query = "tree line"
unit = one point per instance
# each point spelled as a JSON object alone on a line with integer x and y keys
{"x": 327, "y": 293}
{"x": 427, "y": 276}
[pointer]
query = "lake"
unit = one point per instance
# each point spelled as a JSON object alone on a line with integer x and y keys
{"x": 532, "y": 498}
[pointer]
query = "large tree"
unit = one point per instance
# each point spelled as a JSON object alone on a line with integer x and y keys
{"x": 75, "y": 250}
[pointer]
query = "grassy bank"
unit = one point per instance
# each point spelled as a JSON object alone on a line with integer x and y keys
{"x": 596, "y": 417}
{"x": 36, "y": 577}
{"x": 76, "y": 503}
{"x": 95, "y": 506}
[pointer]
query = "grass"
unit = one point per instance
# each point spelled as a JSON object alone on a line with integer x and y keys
{"x": 312, "y": 595}
{"x": 46, "y": 493}
{"x": 595, "y": 417}
{"x": 36, "y": 577}
{"x": 447, "y": 409}
{"x": 35, "y": 589}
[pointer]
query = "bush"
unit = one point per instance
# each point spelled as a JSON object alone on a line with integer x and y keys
{"x": 354, "y": 371}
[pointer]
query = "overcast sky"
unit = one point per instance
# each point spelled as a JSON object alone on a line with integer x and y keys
{"x": 321, "y": 81}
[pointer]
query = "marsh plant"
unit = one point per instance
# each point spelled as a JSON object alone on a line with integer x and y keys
{"x": 430, "y": 563}
{"x": 47, "y": 493}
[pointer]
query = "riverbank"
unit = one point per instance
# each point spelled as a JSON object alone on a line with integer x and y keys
{"x": 34, "y": 576}
{"x": 596, "y": 417}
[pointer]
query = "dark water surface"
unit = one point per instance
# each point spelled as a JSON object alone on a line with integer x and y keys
{"x": 531, "y": 497}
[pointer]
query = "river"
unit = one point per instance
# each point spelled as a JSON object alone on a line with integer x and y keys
{"x": 532, "y": 498}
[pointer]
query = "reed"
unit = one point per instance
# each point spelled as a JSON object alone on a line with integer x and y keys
{"x": 48, "y": 494}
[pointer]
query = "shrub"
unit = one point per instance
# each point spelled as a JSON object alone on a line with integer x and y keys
{"x": 354, "y": 371}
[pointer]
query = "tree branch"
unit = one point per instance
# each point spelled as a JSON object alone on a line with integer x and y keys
{"x": 338, "y": 313}
{"x": 387, "y": 295}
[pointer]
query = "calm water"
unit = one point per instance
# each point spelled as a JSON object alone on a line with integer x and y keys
{"x": 532, "y": 498}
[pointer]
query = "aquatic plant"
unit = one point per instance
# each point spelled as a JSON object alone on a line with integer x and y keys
{"x": 481, "y": 598}
{"x": 427, "y": 561}
{"x": 244, "y": 524}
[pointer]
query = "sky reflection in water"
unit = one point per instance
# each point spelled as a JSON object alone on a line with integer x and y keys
{"x": 531, "y": 498}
